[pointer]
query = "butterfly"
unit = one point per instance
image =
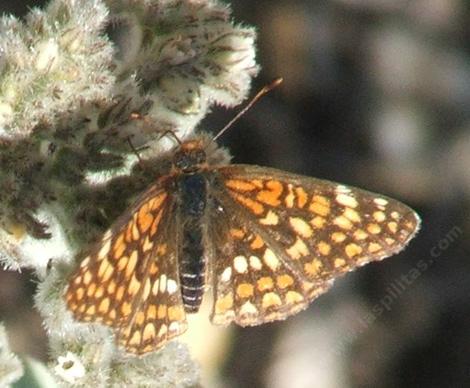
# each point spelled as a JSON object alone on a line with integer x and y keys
{"x": 265, "y": 242}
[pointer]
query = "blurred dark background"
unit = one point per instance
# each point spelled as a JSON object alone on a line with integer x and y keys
{"x": 376, "y": 94}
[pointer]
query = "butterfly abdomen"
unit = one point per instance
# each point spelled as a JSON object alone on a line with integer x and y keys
{"x": 191, "y": 263}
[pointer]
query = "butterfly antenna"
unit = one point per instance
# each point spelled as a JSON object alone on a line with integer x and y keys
{"x": 172, "y": 134}
{"x": 260, "y": 94}
{"x": 146, "y": 120}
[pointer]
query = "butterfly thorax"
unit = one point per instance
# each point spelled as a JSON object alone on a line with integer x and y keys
{"x": 192, "y": 187}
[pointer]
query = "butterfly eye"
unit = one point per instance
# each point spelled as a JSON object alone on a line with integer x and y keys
{"x": 188, "y": 161}
{"x": 199, "y": 156}
{"x": 182, "y": 160}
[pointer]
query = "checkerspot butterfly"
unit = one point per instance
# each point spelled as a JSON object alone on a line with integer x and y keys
{"x": 265, "y": 241}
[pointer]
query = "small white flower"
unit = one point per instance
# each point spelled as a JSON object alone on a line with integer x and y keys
{"x": 6, "y": 113}
{"x": 47, "y": 55}
{"x": 70, "y": 368}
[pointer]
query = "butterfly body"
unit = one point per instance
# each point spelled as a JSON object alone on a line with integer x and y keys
{"x": 192, "y": 189}
{"x": 264, "y": 241}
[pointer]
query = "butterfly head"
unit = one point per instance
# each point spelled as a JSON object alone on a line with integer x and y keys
{"x": 190, "y": 156}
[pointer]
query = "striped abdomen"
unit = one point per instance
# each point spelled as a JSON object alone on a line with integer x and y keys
{"x": 192, "y": 189}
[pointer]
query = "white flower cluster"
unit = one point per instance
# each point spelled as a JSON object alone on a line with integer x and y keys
{"x": 10, "y": 366}
{"x": 56, "y": 60}
{"x": 83, "y": 85}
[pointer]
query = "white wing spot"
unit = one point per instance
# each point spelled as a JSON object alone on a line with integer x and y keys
{"x": 226, "y": 275}
{"x": 107, "y": 235}
{"x": 162, "y": 283}
{"x": 171, "y": 286}
{"x": 381, "y": 201}
{"x": 240, "y": 264}
{"x": 248, "y": 309}
{"x": 85, "y": 262}
{"x": 104, "y": 250}
{"x": 271, "y": 259}
{"x": 255, "y": 263}
{"x": 146, "y": 290}
{"x": 155, "y": 287}
{"x": 346, "y": 200}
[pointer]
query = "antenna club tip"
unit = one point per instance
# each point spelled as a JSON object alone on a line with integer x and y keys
{"x": 274, "y": 84}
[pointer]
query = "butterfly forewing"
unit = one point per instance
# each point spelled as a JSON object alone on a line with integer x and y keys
{"x": 129, "y": 280}
{"x": 285, "y": 237}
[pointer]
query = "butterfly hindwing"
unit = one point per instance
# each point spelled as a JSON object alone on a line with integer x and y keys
{"x": 159, "y": 315}
{"x": 251, "y": 285}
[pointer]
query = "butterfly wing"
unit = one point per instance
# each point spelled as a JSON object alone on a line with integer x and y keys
{"x": 281, "y": 239}
{"x": 129, "y": 280}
